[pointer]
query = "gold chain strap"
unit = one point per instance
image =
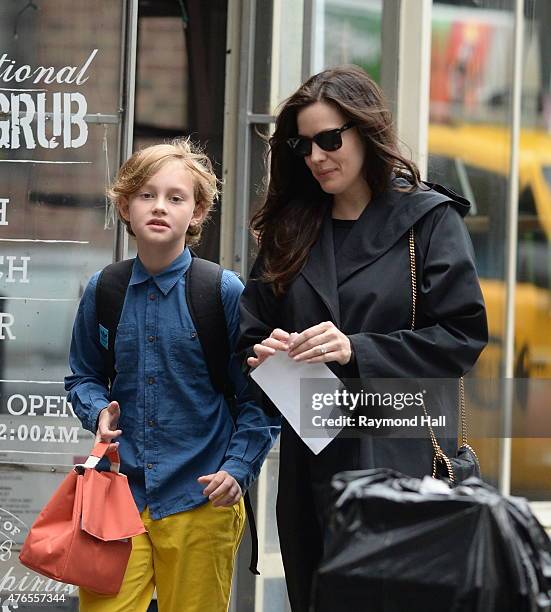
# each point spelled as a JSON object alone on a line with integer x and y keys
{"x": 463, "y": 412}
{"x": 439, "y": 455}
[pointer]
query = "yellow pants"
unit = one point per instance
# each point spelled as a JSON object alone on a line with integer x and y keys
{"x": 188, "y": 557}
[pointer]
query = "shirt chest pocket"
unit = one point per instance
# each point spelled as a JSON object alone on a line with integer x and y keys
{"x": 185, "y": 352}
{"x": 126, "y": 348}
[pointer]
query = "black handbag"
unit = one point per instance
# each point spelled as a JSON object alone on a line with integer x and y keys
{"x": 465, "y": 463}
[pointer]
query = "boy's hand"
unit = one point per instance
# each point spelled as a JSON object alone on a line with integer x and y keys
{"x": 107, "y": 425}
{"x": 277, "y": 341}
{"x": 222, "y": 489}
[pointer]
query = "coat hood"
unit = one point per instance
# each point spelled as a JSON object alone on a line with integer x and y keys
{"x": 390, "y": 215}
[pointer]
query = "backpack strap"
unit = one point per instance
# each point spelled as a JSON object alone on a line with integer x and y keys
{"x": 204, "y": 300}
{"x": 110, "y": 293}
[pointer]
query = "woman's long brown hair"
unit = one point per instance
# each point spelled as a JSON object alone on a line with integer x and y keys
{"x": 288, "y": 223}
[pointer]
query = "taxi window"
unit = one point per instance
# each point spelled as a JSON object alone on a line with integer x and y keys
{"x": 487, "y": 193}
{"x": 534, "y": 249}
{"x": 443, "y": 170}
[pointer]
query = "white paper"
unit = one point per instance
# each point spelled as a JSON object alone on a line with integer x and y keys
{"x": 279, "y": 377}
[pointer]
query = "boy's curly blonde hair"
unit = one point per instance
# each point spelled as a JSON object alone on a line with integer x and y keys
{"x": 143, "y": 164}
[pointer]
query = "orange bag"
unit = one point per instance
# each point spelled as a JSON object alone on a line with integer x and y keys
{"x": 82, "y": 535}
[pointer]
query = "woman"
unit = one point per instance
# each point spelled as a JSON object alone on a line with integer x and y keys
{"x": 332, "y": 284}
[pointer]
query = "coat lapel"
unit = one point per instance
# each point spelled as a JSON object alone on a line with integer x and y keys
{"x": 320, "y": 271}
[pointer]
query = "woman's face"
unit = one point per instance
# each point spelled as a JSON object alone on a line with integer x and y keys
{"x": 338, "y": 172}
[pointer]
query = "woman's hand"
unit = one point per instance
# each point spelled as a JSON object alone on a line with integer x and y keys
{"x": 277, "y": 341}
{"x": 321, "y": 343}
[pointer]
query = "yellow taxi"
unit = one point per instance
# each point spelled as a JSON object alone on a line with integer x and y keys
{"x": 474, "y": 160}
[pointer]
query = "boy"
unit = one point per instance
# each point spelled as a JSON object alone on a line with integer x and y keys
{"x": 178, "y": 445}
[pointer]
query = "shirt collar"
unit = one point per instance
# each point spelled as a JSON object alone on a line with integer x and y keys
{"x": 167, "y": 278}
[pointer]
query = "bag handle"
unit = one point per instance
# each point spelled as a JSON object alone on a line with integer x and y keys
{"x": 439, "y": 455}
{"x": 98, "y": 452}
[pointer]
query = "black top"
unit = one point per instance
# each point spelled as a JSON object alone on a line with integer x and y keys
{"x": 341, "y": 229}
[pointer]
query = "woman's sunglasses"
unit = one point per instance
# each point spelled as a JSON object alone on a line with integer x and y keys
{"x": 330, "y": 140}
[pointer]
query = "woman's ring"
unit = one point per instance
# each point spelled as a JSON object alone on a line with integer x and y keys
{"x": 322, "y": 349}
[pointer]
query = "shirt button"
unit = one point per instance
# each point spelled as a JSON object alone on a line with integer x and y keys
{"x": 151, "y": 338}
{"x": 149, "y": 466}
{"x": 151, "y": 423}
{"x": 151, "y": 380}
{"x": 151, "y": 296}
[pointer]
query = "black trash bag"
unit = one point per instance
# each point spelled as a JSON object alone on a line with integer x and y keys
{"x": 396, "y": 544}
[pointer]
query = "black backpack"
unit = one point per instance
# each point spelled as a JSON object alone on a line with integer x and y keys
{"x": 204, "y": 300}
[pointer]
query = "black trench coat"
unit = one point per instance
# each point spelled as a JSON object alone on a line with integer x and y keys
{"x": 369, "y": 299}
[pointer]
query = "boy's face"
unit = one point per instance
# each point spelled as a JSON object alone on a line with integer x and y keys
{"x": 161, "y": 211}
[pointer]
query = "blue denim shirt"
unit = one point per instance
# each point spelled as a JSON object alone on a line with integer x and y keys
{"x": 175, "y": 426}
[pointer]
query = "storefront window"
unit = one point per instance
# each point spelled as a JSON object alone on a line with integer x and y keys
{"x": 60, "y": 80}
{"x": 470, "y": 146}
{"x": 531, "y": 460}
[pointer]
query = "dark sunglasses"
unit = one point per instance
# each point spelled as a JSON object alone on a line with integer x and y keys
{"x": 330, "y": 140}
